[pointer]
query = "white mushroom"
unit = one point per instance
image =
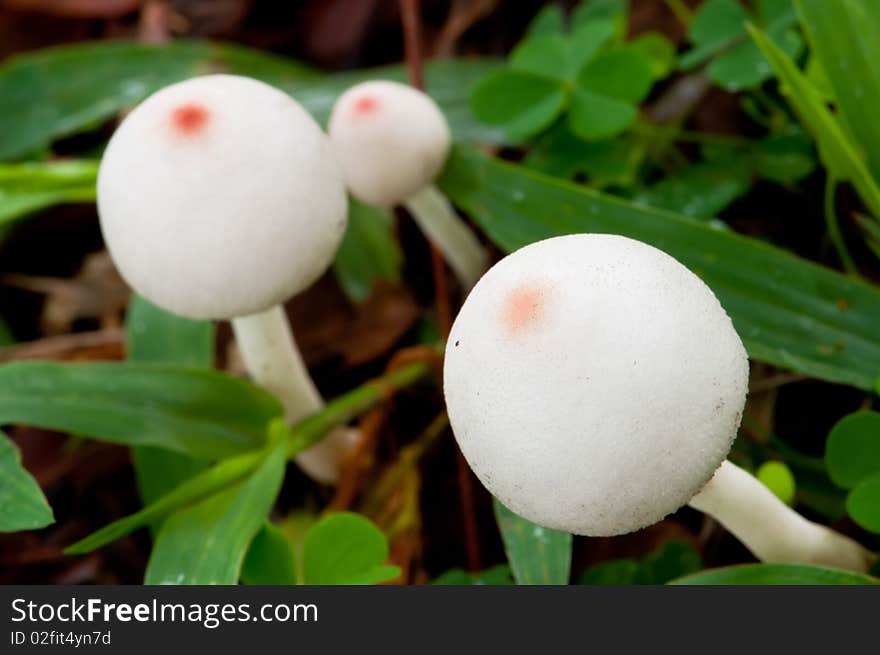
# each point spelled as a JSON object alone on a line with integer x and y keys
{"x": 594, "y": 385}
{"x": 391, "y": 141}
{"x": 219, "y": 198}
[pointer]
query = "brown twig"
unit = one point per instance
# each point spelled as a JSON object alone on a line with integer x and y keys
{"x": 410, "y": 14}
{"x": 407, "y": 460}
{"x": 361, "y": 460}
{"x": 62, "y": 345}
{"x": 776, "y": 381}
{"x": 154, "y": 23}
{"x": 462, "y": 16}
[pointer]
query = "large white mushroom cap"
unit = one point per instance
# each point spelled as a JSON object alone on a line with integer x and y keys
{"x": 220, "y": 197}
{"x": 594, "y": 383}
{"x": 391, "y": 141}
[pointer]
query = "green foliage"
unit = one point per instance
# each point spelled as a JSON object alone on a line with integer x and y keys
{"x": 346, "y": 549}
{"x": 718, "y": 32}
{"x": 605, "y": 98}
{"x": 852, "y": 452}
{"x": 672, "y": 560}
{"x": 537, "y": 556}
{"x": 588, "y": 73}
{"x": 578, "y": 92}
{"x": 494, "y": 576}
{"x": 612, "y": 162}
{"x": 658, "y": 51}
{"x": 843, "y": 41}
{"x": 521, "y": 103}
{"x": 153, "y": 335}
{"x": 6, "y": 336}
{"x": 837, "y": 149}
{"x": 199, "y": 487}
{"x": 204, "y": 414}
{"x": 852, "y": 455}
{"x": 550, "y": 20}
{"x": 701, "y": 190}
{"x": 70, "y": 89}
{"x": 207, "y": 542}
{"x": 863, "y": 503}
{"x": 26, "y": 188}
{"x": 369, "y": 251}
{"x": 588, "y": 11}
{"x": 844, "y": 68}
{"x": 22, "y": 504}
{"x": 788, "y": 311}
{"x": 779, "y": 479}
{"x": 727, "y": 171}
{"x": 785, "y": 157}
{"x": 270, "y": 559}
{"x": 775, "y": 574}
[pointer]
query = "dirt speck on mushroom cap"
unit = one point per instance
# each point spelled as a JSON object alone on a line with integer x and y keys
{"x": 618, "y": 408}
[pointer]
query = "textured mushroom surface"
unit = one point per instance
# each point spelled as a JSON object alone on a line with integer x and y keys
{"x": 219, "y": 197}
{"x": 391, "y": 140}
{"x": 594, "y": 383}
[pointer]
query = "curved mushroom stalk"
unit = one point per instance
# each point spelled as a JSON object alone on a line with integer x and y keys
{"x": 770, "y": 529}
{"x": 438, "y": 221}
{"x": 274, "y": 362}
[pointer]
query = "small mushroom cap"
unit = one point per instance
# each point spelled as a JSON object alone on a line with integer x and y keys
{"x": 220, "y": 197}
{"x": 594, "y": 383}
{"x": 391, "y": 141}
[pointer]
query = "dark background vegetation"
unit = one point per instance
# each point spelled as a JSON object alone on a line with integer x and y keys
{"x": 63, "y": 301}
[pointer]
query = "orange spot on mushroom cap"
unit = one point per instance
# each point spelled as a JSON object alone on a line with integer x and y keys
{"x": 523, "y": 308}
{"x": 366, "y": 104}
{"x": 190, "y": 118}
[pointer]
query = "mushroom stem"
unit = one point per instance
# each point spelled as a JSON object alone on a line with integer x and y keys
{"x": 441, "y": 225}
{"x": 770, "y": 529}
{"x": 271, "y": 357}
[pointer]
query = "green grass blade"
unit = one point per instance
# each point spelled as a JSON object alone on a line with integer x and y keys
{"x": 537, "y": 556}
{"x": 22, "y": 503}
{"x": 154, "y": 335}
{"x": 209, "y": 482}
{"x": 205, "y": 414}
{"x": 836, "y": 147}
{"x": 843, "y": 37}
{"x": 207, "y": 542}
{"x": 775, "y": 574}
{"x": 68, "y": 89}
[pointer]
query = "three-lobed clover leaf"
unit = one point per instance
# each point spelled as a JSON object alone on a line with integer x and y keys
{"x": 719, "y": 31}
{"x": 589, "y": 71}
{"x": 605, "y": 98}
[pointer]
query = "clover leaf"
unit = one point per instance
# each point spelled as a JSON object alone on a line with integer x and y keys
{"x": 589, "y": 72}
{"x": 718, "y": 31}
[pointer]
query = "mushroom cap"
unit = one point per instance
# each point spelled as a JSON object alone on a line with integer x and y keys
{"x": 390, "y": 139}
{"x": 219, "y": 197}
{"x": 593, "y": 383}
